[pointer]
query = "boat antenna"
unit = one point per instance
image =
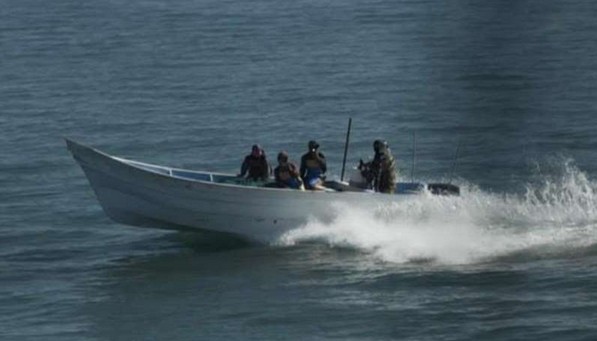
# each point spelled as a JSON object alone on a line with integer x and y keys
{"x": 412, "y": 171}
{"x": 346, "y": 148}
{"x": 454, "y": 162}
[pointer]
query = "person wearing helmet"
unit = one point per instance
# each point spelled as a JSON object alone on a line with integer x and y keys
{"x": 313, "y": 167}
{"x": 286, "y": 174}
{"x": 381, "y": 171}
{"x": 255, "y": 166}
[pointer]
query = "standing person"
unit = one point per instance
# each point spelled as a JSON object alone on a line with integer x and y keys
{"x": 313, "y": 167}
{"x": 255, "y": 166}
{"x": 286, "y": 174}
{"x": 381, "y": 173}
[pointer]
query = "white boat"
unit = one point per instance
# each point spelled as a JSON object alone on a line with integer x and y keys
{"x": 141, "y": 194}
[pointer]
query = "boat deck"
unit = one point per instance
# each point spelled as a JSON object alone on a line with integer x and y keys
{"x": 334, "y": 185}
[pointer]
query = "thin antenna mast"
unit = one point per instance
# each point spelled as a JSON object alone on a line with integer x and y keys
{"x": 412, "y": 171}
{"x": 346, "y": 148}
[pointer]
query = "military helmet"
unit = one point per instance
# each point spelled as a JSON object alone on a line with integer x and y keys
{"x": 380, "y": 146}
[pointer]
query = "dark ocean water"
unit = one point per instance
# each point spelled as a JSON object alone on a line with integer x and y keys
{"x": 193, "y": 83}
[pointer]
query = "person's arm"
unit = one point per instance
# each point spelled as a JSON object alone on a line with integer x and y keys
{"x": 322, "y": 163}
{"x": 244, "y": 168}
{"x": 303, "y": 167}
{"x": 292, "y": 170}
{"x": 295, "y": 174}
{"x": 270, "y": 170}
{"x": 267, "y": 169}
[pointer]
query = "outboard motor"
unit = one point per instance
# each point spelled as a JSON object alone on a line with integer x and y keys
{"x": 443, "y": 189}
{"x": 418, "y": 187}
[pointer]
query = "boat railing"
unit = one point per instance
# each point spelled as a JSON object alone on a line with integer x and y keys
{"x": 146, "y": 166}
{"x": 185, "y": 173}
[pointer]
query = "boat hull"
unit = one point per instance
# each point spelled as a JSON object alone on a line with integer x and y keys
{"x": 133, "y": 195}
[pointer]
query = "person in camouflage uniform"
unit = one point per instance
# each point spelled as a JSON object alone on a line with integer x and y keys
{"x": 381, "y": 171}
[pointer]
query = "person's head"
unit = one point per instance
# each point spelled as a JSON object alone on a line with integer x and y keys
{"x": 256, "y": 150}
{"x": 380, "y": 146}
{"x": 282, "y": 157}
{"x": 313, "y": 145}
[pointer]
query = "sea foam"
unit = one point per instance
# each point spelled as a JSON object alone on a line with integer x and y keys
{"x": 556, "y": 216}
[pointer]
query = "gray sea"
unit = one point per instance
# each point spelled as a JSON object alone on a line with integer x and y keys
{"x": 498, "y": 96}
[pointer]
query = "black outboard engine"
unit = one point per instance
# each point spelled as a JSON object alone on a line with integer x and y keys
{"x": 443, "y": 189}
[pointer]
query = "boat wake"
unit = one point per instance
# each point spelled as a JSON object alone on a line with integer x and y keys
{"x": 555, "y": 218}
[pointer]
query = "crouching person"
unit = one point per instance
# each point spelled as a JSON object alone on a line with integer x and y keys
{"x": 286, "y": 174}
{"x": 380, "y": 173}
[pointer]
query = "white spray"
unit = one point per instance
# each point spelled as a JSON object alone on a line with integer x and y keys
{"x": 560, "y": 215}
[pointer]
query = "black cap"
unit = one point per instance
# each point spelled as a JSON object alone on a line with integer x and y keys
{"x": 313, "y": 144}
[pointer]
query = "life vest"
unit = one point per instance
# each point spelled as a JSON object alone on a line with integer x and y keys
{"x": 285, "y": 172}
{"x": 287, "y": 175}
{"x": 311, "y": 166}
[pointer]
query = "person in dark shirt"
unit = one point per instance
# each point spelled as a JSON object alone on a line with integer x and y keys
{"x": 286, "y": 174}
{"x": 255, "y": 166}
{"x": 313, "y": 167}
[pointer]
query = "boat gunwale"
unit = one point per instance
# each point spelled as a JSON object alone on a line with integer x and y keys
{"x": 131, "y": 164}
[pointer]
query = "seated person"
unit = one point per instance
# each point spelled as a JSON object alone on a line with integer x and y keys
{"x": 313, "y": 167}
{"x": 286, "y": 174}
{"x": 255, "y": 166}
